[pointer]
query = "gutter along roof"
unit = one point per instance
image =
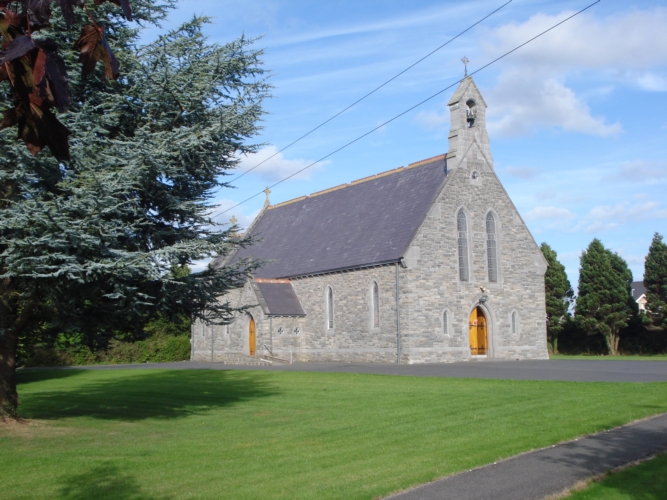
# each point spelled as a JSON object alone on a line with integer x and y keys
{"x": 369, "y": 221}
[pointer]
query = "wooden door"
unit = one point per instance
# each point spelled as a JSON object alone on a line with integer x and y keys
{"x": 478, "y": 332}
{"x": 252, "y": 337}
{"x": 481, "y": 332}
{"x": 473, "y": 332}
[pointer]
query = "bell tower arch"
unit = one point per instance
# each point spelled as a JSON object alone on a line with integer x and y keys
{"x": 468, "y": 135}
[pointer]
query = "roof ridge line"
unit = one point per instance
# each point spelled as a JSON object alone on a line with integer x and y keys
{"x": 359, "y": 181}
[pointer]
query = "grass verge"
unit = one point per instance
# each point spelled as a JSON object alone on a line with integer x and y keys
{"x": 159, "y": 434}
{"x": 646, "y": 481}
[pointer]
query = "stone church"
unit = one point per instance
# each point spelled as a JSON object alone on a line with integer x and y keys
{"x": 427, "y": 263}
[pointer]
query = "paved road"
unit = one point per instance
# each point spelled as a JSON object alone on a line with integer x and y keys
{"x": 549, "y": 471}
{"x": 560, "y": 369}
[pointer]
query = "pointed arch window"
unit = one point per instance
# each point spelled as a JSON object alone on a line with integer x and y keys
{"x": 330, "y": 308}
{"x": 491, "y": 251}
{"x": 445, "y": 323}
{"x": 462, "y": 227}
{"x": 376, "y": 305}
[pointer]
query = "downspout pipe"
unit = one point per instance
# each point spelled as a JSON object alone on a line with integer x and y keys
{"x": 398, "y": 321}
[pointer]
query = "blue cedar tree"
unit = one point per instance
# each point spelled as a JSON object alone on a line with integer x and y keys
{"x": 88, "y": 245}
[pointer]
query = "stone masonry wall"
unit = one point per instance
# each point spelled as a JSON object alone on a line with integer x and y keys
{"x": 433, "y": 285}
{"x": 352, "y": 339}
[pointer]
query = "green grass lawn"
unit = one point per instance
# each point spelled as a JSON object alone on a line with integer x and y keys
{"x": 632, "y": 357}
{"x": 646, "y": 481}
{"x": 157, "y": 434}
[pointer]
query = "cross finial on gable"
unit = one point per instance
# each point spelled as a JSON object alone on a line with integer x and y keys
{"x": 465, "y": 65}
{"x": 267, "y": 192}
{"x": 233, "y": 222}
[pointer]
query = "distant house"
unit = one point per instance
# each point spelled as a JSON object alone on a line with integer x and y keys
{"x": 425, "y": 263}
{"x": 639, "y": 294}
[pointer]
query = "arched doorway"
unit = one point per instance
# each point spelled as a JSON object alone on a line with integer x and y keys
{"x": 478, "y": 332}
{"x": 252, "y": 336}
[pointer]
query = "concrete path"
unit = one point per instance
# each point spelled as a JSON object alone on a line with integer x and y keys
{"x": 537, "y": 474}
{"x": 560, "y": 369}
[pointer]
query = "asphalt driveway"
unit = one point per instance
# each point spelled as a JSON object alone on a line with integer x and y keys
{"x": 559, "y": 369}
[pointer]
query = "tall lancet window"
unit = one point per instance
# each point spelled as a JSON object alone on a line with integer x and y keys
{"x": 330, "y": 308}
{"x": 491, "y": 252}
{"x": 462, "y": 227}
{"x": 376, "y": 305}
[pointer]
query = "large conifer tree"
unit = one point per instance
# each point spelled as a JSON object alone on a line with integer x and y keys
{"x": 655, "y": 281}
{"x": 559, "y": 296}
{"x": 87, "y": 245}
{"x": 604, "y": 304}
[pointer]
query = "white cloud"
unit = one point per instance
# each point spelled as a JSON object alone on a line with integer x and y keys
{"x": 605, "y": 217}
{"x": 649, "y": 81}
{"x": 639, "y": 171}
{"x": 623, "y": 211}
{"x": 532, "y": 91}
{"x": 524, "y": 101}
{"x": 273, "y": 166}
{"x": 542, "y": 213}
{"x": 628, "y": 40}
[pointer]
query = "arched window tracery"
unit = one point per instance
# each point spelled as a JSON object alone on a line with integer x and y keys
{"x": 330, "y": 308}
{"x": 491, "y": 250}
{"x": 462, "y": 227}
{"x": 376, "y": 305}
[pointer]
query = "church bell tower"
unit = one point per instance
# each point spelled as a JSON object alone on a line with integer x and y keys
{"x": 468, "y": 139}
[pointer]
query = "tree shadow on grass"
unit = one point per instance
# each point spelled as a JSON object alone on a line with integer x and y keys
{"x": 101, "y": 483}
{"x": 31, "y": 375}
{"x": 155, "y": 394}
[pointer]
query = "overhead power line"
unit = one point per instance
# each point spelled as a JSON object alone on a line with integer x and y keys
{"x": 411, "y": 108}
{"x": 369, "y": 94}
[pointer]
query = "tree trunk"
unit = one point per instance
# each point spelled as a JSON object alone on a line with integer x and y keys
{"x": 9, "y": 399}
{"x": 612, "y": 343}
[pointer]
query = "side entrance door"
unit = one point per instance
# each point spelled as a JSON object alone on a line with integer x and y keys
{"x": 252, "y": 337}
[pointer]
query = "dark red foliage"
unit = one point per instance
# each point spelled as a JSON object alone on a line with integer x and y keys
{"x": 37, "y": 73}
{"x": 94, "y": 47}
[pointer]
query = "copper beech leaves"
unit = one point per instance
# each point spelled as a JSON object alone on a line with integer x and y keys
{"x": 37, "y": 73}
{"x": 93, "y": 47}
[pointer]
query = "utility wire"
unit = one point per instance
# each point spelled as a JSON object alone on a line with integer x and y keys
{"x": 410, "y": 109}
{"x": 367, "y": 95}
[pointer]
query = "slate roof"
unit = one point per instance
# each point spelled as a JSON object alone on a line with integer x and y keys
{"x": 369, "y": 221}
{"x": 638, "y": 289}
{"x": 277, "y": 297}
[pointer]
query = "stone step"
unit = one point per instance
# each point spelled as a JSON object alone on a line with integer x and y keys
{"x": 275, "y": 360}
{"x": 243, "y": 359}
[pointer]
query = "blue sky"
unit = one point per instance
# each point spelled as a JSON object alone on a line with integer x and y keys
{"x": 577, "y": 119}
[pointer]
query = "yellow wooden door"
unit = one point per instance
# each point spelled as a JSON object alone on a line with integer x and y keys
{"x": 481, "y": 332}
{"x": 252, "y": 337}
{"x": 473, "y": 331}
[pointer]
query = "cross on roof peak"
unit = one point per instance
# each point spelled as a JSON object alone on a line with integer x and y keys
{"x": 465, "y": 65}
